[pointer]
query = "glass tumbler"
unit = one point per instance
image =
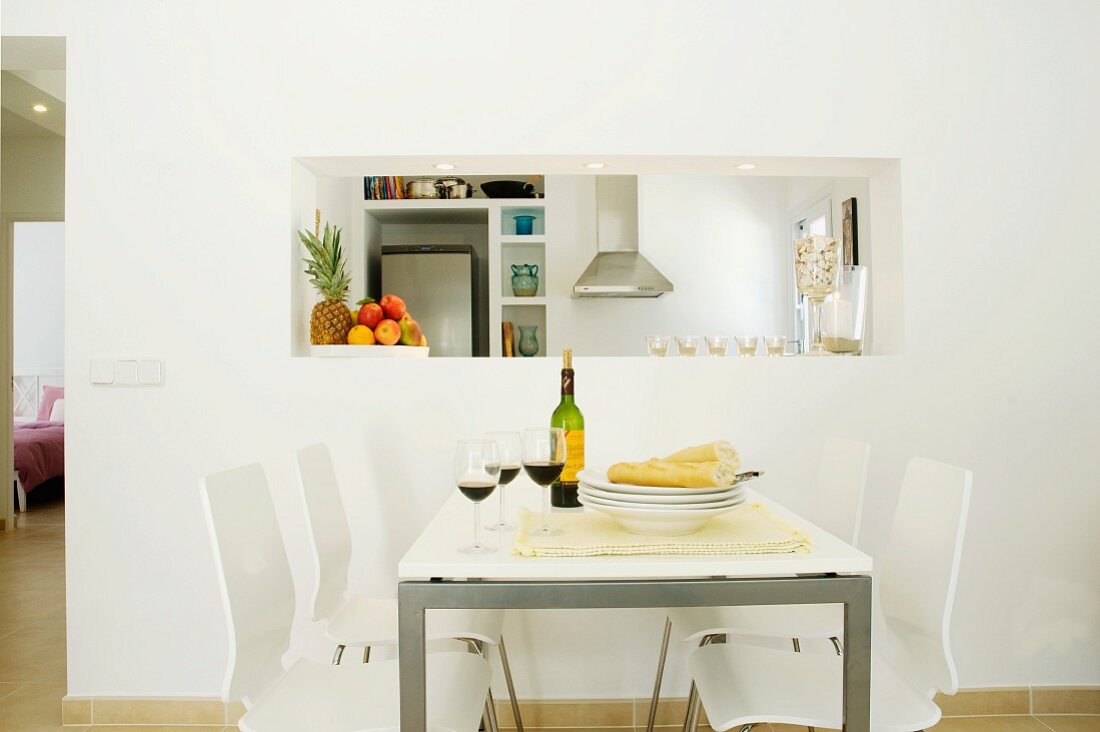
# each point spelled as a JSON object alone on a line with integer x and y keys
{"x": 657, "y": 345}
{"x": 747, "y": 345}
{"x": 688, "y": 345}
{"x": 717, "y": 345}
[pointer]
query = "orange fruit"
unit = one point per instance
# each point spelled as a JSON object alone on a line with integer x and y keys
{"x": 361, "y": 335}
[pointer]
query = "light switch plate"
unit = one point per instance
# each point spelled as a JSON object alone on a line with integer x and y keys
{"x": 150, "y": 372}
{"x": 126, "y": 372}
{"x": 103, "y": 371}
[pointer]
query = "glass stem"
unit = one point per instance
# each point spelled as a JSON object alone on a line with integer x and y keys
{"x": 500, "y": 521}
{"x": 477, "y": 524}
{"x": 815, "y": 325}
{"x": 546, "y": 508}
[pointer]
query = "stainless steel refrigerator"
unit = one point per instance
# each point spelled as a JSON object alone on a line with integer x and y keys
{"x": 439, "y": 286}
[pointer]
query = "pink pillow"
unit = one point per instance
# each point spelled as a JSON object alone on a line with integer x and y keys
{"x": 50, "y": 394}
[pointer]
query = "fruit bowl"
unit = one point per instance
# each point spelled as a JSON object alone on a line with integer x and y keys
{"x": 344, "y": 351}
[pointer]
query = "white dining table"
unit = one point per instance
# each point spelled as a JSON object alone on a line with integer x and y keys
{"x": 434, "y": 574}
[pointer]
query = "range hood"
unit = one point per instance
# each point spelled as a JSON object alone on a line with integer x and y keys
{"x": 619, "y": 269}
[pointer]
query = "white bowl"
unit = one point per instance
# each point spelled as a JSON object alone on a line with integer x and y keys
{"x": 678, "y": 500}
{"x": 598, "y": 479}
{"x": 646, "y": 522}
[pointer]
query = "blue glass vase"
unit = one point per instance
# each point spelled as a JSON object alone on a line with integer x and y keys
{"x": 528, "y": 340}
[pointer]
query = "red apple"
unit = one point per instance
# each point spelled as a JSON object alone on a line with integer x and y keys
{"x": 387, "y": 332}
{"x": 392, "y": 306}
{"x": 370, "y": 314}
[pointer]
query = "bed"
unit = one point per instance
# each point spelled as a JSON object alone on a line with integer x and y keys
{"x": 39, "y": 429}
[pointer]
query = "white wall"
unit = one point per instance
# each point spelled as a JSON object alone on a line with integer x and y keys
{"x": 39, "y": 294}
{"x": 196, "y": 141}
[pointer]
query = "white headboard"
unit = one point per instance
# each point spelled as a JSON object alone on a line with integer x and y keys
{"x": 27, "y": 386}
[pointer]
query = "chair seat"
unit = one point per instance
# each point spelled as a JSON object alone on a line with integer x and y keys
{"x": 742, "y": 684}
{"x": 366, "y": 621}
{"x": 362, "y": 697}
{"x": 774, "y": 621}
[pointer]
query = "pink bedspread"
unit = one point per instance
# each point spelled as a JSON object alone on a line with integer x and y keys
{"x": 39, "y": 452}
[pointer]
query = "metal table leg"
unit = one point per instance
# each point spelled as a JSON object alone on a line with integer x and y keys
{"x": 853, "y": 591}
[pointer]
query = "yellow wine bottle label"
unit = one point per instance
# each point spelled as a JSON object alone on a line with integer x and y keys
{"x": 574, "y": 455}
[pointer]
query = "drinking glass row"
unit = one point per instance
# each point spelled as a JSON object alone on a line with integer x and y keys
{"x": 774, "y": 345}
{"x": 481, "y": 465}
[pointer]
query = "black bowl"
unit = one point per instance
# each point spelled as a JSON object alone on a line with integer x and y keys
{"x": 508, "y": 189}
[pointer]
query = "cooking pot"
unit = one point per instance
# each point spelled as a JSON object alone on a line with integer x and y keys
{"x": 461, "y": 189}
{"x": 421, "y": 188}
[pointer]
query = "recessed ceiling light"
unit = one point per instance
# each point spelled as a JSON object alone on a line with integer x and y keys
{"x": 40, "y": 108}
{"x": 594, "y": 166}
{"x": 745, "y": 166}
{"x": 445, "y": 166}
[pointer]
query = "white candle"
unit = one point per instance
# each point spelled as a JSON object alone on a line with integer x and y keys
{"x": 839, "y": 320}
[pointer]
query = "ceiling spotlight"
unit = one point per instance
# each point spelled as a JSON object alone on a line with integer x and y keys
{"x": 594, "y": 166}
{"x": 745, "y": 166}
{"x": 40, "y": 108}
{"x": 445, "y": 166}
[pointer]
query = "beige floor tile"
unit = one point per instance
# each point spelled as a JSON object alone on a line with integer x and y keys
{"x": 990, "y": 724}
{"x": 985, "y": 702}
{"x": 34, "y": 654}
{"x": 670, "y": 712}
{"x": 1065, "y": 700}
{"x": 568, "y": 714}
{"x": 33, "y": 708}
{"x": 1071, "y": 723}
{"x": 8, "y": 687}
{"x": 29, "y": 608}
{"x": 155, "y": 728}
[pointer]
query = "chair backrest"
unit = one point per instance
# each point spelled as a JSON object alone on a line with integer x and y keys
{"x": 841, "y": 484}
{"x": 327, "y": 525}
{"x": 256, "y": 585}
{"x": 920, "y": 569}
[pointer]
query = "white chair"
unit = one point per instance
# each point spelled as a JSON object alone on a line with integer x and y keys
{"x": 837, "y": 508}
{"x": 258, "y": 595}
{"x": 911, "y": 659}
{"x": 357, "y": 621}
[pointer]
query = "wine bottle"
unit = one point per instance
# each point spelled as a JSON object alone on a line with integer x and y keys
{"x": 563, "y": 493}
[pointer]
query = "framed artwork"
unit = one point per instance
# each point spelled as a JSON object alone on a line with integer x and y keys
{"x": 849, "y": 232}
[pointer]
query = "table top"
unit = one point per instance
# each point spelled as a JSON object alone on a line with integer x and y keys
{"x": 435, "y": 553}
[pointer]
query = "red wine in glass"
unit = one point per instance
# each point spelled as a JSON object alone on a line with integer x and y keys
{"x": 543, "y": 473}
{"x": 508, "y": 473}
{"x": 476, "y": 490}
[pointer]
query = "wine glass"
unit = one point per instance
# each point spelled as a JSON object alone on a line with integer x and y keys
{"x": 543, "y": 461}
{"x": 477, "y": 471}
{"x": 511, "y": 457}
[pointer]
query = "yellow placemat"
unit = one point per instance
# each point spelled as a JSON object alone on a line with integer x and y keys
{"x": 748, "y": 529}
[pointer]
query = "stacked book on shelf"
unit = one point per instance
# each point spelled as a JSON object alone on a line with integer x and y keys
{"x": 383, "y": 187}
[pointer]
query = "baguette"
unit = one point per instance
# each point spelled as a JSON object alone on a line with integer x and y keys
{"x": 713, "y": 452}
{"x": 665, "y": 473}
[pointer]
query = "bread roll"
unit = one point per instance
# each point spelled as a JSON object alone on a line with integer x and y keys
{"x": 663, "y": 473}
{"x": 714, "y": 452}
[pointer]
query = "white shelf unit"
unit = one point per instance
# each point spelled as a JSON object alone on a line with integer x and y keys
{"x": 512, "y": 248}
{"x": 505, "y": 248}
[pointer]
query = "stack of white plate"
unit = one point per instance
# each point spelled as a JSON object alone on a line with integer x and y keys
{"x": 656, "y": 511}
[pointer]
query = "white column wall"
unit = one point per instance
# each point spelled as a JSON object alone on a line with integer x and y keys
{"x": 187, "y": 115}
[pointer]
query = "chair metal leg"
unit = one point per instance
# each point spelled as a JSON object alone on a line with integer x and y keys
{"x": 653, "y": 701}
{"x": 338, "y": 655}
{"x": 511, "y": 687}
{"x": 798, "y": 649}
{"x": 694, "y": 705}
{"x": 747, "y": 727}
{"x": 366, "y": 654}
{"x": 491, "y": 712}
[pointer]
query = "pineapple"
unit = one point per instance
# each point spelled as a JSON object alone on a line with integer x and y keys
{"x": 331, "y": 319}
